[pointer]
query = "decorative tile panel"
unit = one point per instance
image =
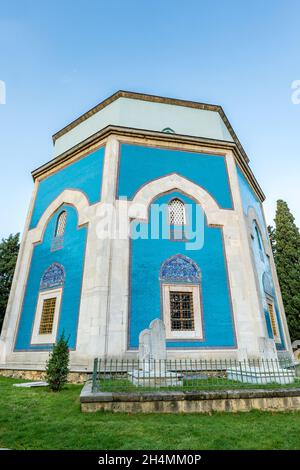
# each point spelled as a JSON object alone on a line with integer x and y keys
{"x": 53, "y": 276}
{"x": 180, "y": 268}
{"x": 267, "y": 284}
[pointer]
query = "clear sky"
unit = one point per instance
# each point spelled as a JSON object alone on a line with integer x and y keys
{"x": 59, "y": 58}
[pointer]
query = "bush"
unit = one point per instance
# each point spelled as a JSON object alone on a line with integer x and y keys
{"x": 57, "y": 367}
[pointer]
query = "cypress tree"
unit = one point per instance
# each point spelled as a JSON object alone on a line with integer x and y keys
{"x": 57, "y": 367}
{"x": 9, "y": 249}
{"x": 286, "y": 249}
{"x": 271, "y": 232}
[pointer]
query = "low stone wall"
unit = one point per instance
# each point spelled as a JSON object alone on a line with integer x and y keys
{"x": 74, "y": 377}
{"x": 190, "y": 402}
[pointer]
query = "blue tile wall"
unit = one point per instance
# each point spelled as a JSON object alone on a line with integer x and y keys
{"x": 84, "y": 175}
{"x": 139, "y": 165}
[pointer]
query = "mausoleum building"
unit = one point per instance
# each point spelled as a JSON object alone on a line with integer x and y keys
{"x": 148, "y": 209}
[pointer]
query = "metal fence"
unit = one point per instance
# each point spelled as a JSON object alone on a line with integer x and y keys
{"x": 134, "y": 375}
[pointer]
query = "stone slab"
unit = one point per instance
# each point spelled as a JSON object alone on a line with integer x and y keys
{"x": 31, "y": 384}
{"x": 255, "y": 375}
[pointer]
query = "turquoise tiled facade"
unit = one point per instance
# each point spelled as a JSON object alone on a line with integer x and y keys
{"x": 109, "y": 288}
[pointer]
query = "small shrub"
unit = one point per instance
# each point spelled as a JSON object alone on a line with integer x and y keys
{"x": 57, "y": 367}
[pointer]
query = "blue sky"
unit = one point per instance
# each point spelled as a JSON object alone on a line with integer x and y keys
{"x": 59, "y": 58}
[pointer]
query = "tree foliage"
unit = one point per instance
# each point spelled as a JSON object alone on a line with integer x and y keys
{"x": 285, "y": 239}
{"x": 271, "y": 232}
{"x": 9, "y": 249}
{"x": 57, "y": 367}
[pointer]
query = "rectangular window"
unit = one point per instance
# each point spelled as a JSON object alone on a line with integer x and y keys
{"x": 181, "y": 311}
{"x": 47, "y": 317}
{"x": 272, "y": 319}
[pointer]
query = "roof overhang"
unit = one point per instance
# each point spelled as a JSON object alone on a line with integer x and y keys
{"x": 103, "y": 134}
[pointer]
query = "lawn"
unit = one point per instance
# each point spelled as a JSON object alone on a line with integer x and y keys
{"x": 122, "y": 385}
{"x": 39, "y": 419}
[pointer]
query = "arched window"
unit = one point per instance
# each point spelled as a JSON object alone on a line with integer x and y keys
{"x": 61, "y": 224}
{"x": 258, "y": 237}
{"x": 176, "y": 212}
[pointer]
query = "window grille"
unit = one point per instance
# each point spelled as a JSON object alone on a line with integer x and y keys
{"x": 47, "y": 316}
{"x": 61, "y": 224}
{"x": 272, "y": 318}
{"x": 176, "y": 212}
{"x": 181, "y": 310}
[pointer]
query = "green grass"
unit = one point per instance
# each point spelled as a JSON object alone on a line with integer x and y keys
{"x": 39, "y": 419}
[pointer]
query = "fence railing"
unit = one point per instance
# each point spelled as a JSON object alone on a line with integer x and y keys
{"x": 134, "y": 375}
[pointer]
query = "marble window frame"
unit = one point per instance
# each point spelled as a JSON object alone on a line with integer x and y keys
{"x": 36, "y": 337}
{"x": 197, "y": 332}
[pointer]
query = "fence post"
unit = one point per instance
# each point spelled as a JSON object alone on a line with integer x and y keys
{"x": 94, "y": 383}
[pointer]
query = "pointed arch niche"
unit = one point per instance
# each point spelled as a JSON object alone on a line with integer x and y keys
{"x": 159, "y": 267}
